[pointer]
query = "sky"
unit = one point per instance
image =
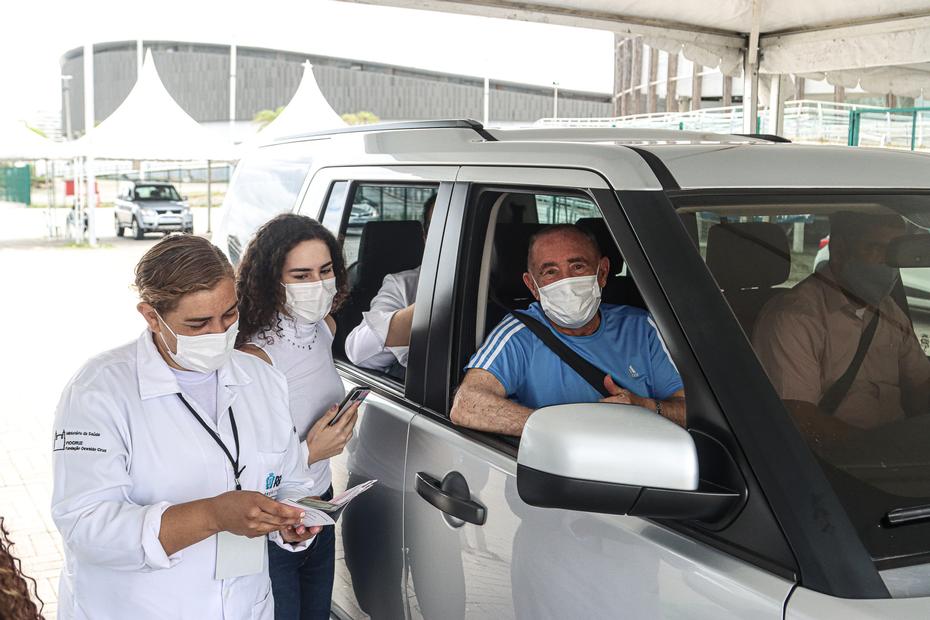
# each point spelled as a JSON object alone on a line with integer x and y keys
{"x": 35, "y": 34}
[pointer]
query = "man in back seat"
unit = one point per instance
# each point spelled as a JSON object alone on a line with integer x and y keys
{"x": 515, "y": 373}
{"x": 382, "y": 340}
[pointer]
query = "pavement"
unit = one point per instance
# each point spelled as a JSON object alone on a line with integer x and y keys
{"x": 61, "y": 305}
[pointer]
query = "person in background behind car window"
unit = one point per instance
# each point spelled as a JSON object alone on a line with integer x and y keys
{"x": 515, "y": 373}
{"x": 807, "y": 337}
{"x": 382, "y": 340}
{"x": 291, "y": 277}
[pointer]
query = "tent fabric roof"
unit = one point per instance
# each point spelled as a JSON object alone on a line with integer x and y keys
{"x": 150, "y": 125}
{"x": 795, "y": 36}
{"x": 306, "y": 112}
{"x": 18, "y": 142}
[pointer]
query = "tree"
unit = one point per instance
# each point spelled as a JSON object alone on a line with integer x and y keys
{"x": 35, "y": 130}
{"x": 360, "y": 118}
{"x": 265, "y": 117}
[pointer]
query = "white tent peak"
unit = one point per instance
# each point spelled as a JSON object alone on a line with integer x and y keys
{"x": 306, "y": 112}
{"x": 150, "y": 125}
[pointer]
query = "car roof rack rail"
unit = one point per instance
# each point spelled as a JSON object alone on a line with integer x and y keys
{"x": 769, "y": 137}
{"x": 466, "y": 123}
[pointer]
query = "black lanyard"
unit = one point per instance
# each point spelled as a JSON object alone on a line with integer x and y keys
{"x": 232, "y": 421}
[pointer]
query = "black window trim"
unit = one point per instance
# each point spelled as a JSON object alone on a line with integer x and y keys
{"x": 776, "y": 452}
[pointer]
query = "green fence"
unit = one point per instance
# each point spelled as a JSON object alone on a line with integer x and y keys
{"x": 16, "y": 185}
{"x": 902, "y": 128}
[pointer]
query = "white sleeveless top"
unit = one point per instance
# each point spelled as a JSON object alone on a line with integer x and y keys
{"x": 304, "y": 354}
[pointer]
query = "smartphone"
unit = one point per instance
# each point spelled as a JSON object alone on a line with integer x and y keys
{"x": 356, "y": 395}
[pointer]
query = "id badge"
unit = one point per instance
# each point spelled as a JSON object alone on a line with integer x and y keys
{"x": 237, "y": 556}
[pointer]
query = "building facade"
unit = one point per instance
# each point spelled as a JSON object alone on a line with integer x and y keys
{"x": 199, "y": 77}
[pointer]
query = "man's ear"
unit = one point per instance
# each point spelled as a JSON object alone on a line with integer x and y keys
{"x": 603, "y": 270}
{"x": 151, "y": 318}
{"x": 528, "y": 281}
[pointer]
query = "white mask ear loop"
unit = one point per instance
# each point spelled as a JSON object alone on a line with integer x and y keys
{"x": 161, "y": 335}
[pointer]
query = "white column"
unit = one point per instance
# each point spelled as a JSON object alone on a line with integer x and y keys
{"x": 777, "y": 106}
{"x": 555, "y": 100}
{"x": 751, "y": 73}
{"x": 88, "y": 127}
{"x": 232, "y": 87}
{"x": 487, "y": 100}
{"x": 209, "y": 196}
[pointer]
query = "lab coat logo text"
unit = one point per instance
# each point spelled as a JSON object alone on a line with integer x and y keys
{"x": 272, "y": 481}
{"x": 76, "y": 441}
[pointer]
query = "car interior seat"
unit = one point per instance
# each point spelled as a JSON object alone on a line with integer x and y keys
{"x": 384, "y": 248}
{"x": 619, "y": 289}
{"x": 507, "y": 291}
{"x": 748, "y": 260}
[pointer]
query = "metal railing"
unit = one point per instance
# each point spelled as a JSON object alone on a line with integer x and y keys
{"x": 805, "y": 121}
{"x": 898, "y": 128}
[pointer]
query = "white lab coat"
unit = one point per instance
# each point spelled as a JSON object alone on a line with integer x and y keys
{"x": 365, "y": 344}
{"x": 126, "y": 449}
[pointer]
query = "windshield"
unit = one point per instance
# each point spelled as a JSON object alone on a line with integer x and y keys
{"x": 156, "y": 192}
{"x": 833, "y": 292}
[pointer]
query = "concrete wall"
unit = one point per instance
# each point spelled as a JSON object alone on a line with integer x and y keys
{"x": 197, "y": 76}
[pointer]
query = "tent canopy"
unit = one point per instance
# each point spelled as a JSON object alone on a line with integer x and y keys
{"x": 18, "y": 142}
{"x": 844, "y": 41}
{"x": 150, "y": 125}
{"x": 306, "y": 112}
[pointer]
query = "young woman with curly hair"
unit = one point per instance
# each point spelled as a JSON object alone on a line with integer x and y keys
{"x": 15, "y": 600}
{"x": 291, "y": 277}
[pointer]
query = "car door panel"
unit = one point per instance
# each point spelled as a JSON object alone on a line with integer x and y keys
{"x": 528, "y": 562}
{"x": 369, "y": 560}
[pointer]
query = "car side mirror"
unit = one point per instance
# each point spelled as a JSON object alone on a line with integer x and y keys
{"x": 183, "y": 197}
{"x": 615, "y": 459}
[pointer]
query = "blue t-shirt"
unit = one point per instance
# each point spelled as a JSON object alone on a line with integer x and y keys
{"x": 626, "y": 344}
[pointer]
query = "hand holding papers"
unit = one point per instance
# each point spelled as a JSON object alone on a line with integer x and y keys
{"x": 321, "y": 512}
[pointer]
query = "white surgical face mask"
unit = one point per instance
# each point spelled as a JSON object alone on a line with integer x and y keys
{"x": 310, "y": 301}
{"x": 203, "y": 353}
{"x": 571, "y": 302}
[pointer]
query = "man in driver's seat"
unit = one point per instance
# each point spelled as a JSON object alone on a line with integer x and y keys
{"x": 807, "y": 338}
{"x": 515, "y": 372}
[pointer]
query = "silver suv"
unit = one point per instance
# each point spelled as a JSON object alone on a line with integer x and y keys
{"x": 152, "y": 207}
{"x": 607, "y": 511}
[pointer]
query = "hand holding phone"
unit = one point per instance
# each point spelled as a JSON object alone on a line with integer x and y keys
{"x": 356, "y": 395}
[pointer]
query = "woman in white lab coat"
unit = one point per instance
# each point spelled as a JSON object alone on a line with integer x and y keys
{"x": 169, "y": 455}
{"x": 291, "y": 277}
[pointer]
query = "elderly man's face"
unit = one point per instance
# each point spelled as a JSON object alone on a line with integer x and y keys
{"x": 562, "y": 255}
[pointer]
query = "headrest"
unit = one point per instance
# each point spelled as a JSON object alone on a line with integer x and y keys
{"x": 387, "y": 247}
{"x": 748, "y": 255}
{"x": 598, "y": 227}
{"x": 511, "y": 243}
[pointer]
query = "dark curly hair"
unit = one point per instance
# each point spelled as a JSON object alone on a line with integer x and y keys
{"x": 258, "y": 282}
{"x": 15, "y": 600}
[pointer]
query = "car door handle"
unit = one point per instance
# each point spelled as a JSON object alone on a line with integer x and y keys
{"x": 451, "y": 496}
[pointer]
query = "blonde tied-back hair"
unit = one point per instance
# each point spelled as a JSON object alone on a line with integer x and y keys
{"x": 178, "y": 265}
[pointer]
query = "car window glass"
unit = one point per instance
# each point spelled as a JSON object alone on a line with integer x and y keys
{"x": 378, "y": 203}
{"x": 335, "y": 206}
{"x": 156, "y": 192}
{"x": 266, "y": 183}
{"x": 627, "y": 345}
{"x": 383, "y": 240}
{"x": 833, "y": 294}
